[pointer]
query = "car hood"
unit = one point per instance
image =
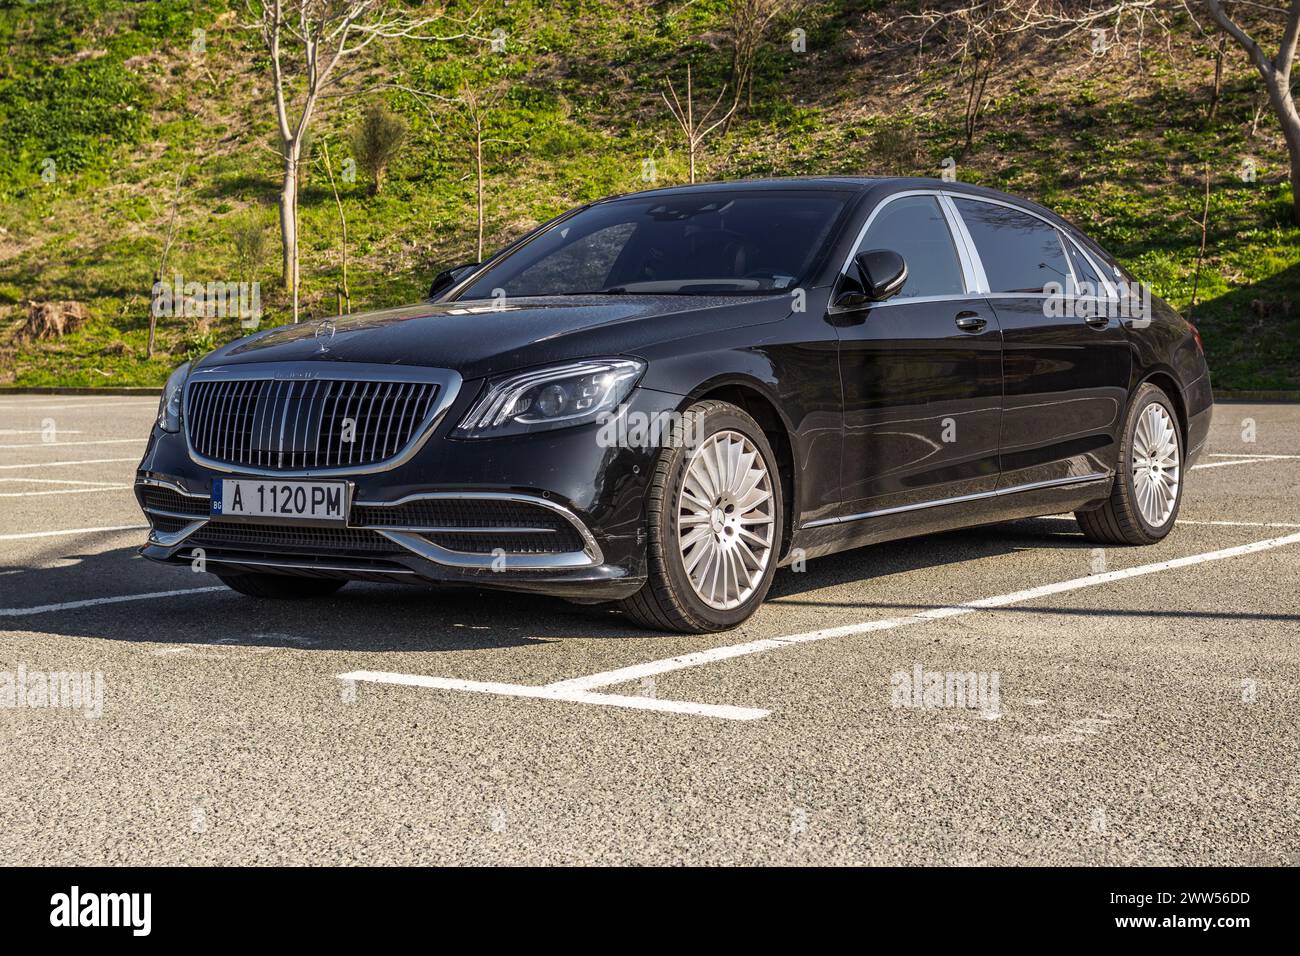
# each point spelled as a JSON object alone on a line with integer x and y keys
{"x": 480, "y": 337}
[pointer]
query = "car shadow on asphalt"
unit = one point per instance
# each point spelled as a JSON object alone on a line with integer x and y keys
{"x": 377, "y": 617}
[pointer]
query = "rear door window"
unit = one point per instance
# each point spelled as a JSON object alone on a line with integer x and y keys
{"x": 1020, "y": 253}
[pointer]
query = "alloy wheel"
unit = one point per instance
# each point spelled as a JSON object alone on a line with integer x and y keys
{"x": 726, "y": 519}
{"x": 1156, "y": 466}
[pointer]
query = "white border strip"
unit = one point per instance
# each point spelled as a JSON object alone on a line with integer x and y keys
{"x": 579, "y": 689}
{"x": 553, "y": 692}
{"x": 57, "y": 464}
{"x": 95, "y": 602}
{"x": 55, "y": 534}
{"x": 638, "y": 671}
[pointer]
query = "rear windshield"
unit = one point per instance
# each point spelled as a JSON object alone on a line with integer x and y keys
{"x": 696, "y": 244}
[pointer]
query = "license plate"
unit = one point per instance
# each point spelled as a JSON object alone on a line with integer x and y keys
{"x": 286, "y": 501}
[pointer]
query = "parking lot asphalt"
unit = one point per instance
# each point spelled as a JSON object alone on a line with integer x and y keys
{"x": 1140, "y": 706}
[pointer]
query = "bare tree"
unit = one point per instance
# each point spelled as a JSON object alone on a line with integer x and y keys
{"x": 695, "y": 129}
{"x": 982, "y": 36}
{"x": 307, "y": 40}
{"x": 160, "y": 272}
{"x": 748, "y": 22}
{"x": 475, "y": 113}
{"x": 344, "y": 295}
{"x": 1275, "y": 71}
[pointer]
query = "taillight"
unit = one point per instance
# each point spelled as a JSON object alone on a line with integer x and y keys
{"x": 1196, "y": 334}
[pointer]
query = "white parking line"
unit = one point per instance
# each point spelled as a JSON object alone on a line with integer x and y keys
{"x": 34, "y": 406}
{"x": 639, "y": 671}
{"x": 578, "y": 689}
{"x": 553, "y": 692}
{"x": 1235, "y": 454}
{"x": 94, "y": 602}
{"x": 1182, "y": 521}
{"x": 58, "y": 481}
{"x": 1220, "y": 464}
{"x": 60, "y": 491}
{"x": 98, "y": 441}
{"x": 65, "y": 531}
{"x": 61, "y": 464}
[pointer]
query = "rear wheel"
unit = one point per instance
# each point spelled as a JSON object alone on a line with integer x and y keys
{"x": 1148, "y": 487}
{"x": 714, "y": 516}
{"x": 281, "y": 586}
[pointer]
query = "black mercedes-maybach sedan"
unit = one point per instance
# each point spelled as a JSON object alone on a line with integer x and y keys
{"x": 661, "y": 398}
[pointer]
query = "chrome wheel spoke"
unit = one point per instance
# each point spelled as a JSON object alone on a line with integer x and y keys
{"x": 726, "y": 519}
{"x": 1155, "y": 465}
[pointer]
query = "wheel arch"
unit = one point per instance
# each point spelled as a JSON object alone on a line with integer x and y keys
{"x": 1167, "y": 382}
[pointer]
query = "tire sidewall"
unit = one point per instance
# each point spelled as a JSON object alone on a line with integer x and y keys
{"x": 728, "y": 418}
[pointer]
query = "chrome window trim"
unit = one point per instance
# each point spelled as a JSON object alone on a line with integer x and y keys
{"x": 961, "y": 499}
{"x": 968, "y": 273}
{"x": 1111, "y": 292}
{"x": 448, "y": 381}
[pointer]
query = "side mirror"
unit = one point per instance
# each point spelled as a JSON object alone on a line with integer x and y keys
{"x": 882, "y": 273}
{"x": 449, "y": 277}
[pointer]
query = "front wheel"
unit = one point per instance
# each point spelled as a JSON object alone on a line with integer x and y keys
{"x": 714, "y": 515}
{"x": 1148, "y": 487}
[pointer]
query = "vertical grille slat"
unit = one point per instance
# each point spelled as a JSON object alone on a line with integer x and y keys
{"x": 299, "y": 424}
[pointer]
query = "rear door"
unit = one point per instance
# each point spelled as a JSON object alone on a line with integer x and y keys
{"x": 1065, "y": 365}
{"x": 921, "y": 372}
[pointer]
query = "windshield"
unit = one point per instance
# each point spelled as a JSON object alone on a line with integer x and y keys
{"x": 694, "y": 244}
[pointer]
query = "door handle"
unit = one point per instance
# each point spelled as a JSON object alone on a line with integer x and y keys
{"x": 1097, "y": 321}
{"x": 971, "y": 321}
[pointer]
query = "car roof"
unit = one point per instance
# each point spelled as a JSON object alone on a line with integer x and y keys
{"x": 882, "y": 185}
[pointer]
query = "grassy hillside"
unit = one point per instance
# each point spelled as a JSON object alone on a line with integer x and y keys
{"x": 119, "y": 103}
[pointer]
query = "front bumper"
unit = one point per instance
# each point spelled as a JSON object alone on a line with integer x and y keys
{"x": 557, "y": 512}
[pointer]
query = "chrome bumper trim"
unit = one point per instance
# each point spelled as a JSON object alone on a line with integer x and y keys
{"x": 589, "y": 556}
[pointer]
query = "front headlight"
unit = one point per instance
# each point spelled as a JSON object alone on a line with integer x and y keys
{"x": 169, "y": 407}
{"x": 553, "y": 397}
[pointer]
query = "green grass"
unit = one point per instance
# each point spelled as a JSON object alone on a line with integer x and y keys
{"x": 113, "y": 94}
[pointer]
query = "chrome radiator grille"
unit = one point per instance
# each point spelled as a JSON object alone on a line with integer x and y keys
{"x": 296, "y": 424}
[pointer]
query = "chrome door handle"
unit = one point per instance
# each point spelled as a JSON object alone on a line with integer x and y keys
{"x": 1097, "y": 321}
{"x": 971, "y": 321}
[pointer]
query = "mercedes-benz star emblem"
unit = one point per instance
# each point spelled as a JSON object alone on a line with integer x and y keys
{"x": 325, "y": 335}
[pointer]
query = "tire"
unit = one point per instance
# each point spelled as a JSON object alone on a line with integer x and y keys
{"x": 744, "y": 541}
{"x": 1138, "y": 511}
{"x": 281, "y": 586}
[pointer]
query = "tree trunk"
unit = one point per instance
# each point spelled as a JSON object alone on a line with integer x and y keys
{"x": 289, "y": 221}
{"x": 478, "y": 177}
{"x": 1279, "y": 94}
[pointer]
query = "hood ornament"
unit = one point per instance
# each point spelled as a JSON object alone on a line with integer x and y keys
{"x": 325, "y": 334}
